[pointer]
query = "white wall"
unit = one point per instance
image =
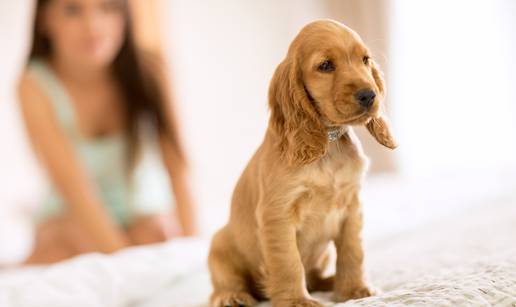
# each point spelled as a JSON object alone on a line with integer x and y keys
{"x": 223, "y": 55}
{"x": 453, "y": 85}
{"x": 19, "y": 177}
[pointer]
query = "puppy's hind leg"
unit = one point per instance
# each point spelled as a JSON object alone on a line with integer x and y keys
{"x": 315, "y": 280}
{"x": 228, "y": 279}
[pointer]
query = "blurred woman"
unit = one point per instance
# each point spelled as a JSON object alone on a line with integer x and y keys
{"x": 87, "y": 95}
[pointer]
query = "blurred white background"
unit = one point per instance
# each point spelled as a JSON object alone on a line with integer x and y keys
{"x": 451, "y": 82}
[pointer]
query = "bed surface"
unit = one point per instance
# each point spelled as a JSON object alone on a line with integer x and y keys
{"x": 449, "y": 242}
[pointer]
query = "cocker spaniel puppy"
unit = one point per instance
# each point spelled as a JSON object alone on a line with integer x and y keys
{"x": 300, "y": 191}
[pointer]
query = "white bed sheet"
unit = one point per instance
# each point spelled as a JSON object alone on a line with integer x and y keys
{"x": 446, "y": 242}
{"x": 466, "y": 259}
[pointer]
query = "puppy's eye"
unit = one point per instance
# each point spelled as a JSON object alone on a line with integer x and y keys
{"x": 326, "y": 66}
{"x": 366, "y": 59}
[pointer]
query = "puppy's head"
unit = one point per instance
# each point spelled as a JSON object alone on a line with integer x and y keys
{"x": 327, "y": 79}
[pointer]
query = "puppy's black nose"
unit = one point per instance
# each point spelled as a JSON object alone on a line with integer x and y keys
{"x": 365, "y": 98}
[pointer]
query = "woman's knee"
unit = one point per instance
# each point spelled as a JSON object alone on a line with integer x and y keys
{"x": 50, "y": 245}
{"x": 152, "y": 229}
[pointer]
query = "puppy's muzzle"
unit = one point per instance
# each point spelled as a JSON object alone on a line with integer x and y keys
{"x": 365, "y": 98}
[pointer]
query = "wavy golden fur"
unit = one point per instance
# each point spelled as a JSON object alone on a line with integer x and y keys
{"x": 300, "y": 192}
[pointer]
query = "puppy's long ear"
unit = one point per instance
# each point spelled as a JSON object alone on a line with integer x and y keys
{"x": 379, "y": 127}
{"x": 380, "y": 130}
{"x": 302, "y": 136}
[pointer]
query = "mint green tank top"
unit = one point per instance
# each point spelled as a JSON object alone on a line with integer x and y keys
{"x": 105, "y": 159}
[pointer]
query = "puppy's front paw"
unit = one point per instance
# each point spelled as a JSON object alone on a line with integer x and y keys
{"x": 232, "y": 299}
{"x": 353, "y": 293}
{"x": 303, "y": 302}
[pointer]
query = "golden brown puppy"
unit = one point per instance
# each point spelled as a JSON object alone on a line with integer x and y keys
{"x": 300, "y": 190}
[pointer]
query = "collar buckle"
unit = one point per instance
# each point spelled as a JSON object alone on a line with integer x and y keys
{"x": 335, "y": 133}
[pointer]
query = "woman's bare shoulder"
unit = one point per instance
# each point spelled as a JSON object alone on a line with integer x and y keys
{"x": 31, "y": 95}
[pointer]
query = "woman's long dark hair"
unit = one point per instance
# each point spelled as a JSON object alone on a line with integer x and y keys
{"x": 141, "y": 78}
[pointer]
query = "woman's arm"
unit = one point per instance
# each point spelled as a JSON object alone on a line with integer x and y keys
{"x": 179, "y": 179}
{"x": 64, "y": 169}
{"x": 171, "y": 150}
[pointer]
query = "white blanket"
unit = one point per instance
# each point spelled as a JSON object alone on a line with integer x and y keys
{"x": 460, "y": 251}
{"x": 468, "y": 259}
